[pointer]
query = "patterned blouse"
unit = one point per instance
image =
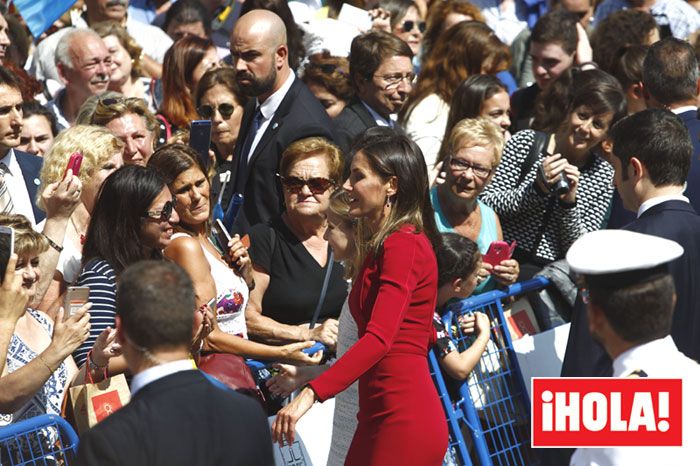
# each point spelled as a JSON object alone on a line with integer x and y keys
{"x": 521, "y": 207}
{"x": 49, "y": 398}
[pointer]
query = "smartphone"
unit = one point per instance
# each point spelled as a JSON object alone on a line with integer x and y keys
{"x": 200, "y": 140}
{"x": 74, "y": 162}
{"x": 498, "y": 252}
{"x": 222, "y": 235}
{"x": 76, "y": 297}
{"x": 7, "y": 247}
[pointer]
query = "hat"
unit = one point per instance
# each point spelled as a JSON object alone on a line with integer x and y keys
{"x": 619, "y": 258}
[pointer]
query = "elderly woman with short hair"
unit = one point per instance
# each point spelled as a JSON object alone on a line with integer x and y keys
{"x": 290, "y": 255}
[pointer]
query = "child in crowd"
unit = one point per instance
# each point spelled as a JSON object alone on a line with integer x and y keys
{"x": 459, "y": 261}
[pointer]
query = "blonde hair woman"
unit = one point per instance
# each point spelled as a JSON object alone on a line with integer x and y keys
{"x": 102, "y": 155}
{"x": 473, "y": 152}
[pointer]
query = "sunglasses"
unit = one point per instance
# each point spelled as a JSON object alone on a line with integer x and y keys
{"x": 316, "y": 185}
{"x": 109, "y": 101}
{"x": 328, "y": 68}
{"x": 408, "y": 25}
{"x": 161, "y": 215}
{"x": 207, "y": 111}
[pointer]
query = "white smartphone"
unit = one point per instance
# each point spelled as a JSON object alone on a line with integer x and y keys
{"x": 76, "y": 297}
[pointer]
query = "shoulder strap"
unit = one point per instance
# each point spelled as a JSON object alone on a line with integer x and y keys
{"x": 324, "y": 289}
{"x": 538, "y": 143}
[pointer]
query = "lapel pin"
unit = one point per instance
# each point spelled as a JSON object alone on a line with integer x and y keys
{"x": 37, "y": 181}
{"x": 275, "y": 125}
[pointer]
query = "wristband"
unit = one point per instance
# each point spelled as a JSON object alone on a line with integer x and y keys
{"x": 59, "y": 249}
{"x": 38, "y": 356}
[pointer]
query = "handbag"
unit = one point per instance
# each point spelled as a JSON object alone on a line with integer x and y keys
{"x": 232, "y": 371}
{"x": 92, "y": 402}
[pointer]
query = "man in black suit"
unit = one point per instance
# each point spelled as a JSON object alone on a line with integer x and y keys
{"x": 381, "y": 73}
{"x": 670, "y": 81}
{"x": 176, "y": 416}
{"x": 19, "y": 170}
{"x": 652, "y": 156}
{"x": 283, "y": 111}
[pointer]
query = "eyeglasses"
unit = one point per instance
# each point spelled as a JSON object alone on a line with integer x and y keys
{"x": 408, "y": 25}
{"x": 161, "y": 215}
{"x": 394, "y": 80}
{"x": 207, "y": 111}
{"x": 460, "y": 166}
{"x": 317, "y": 185}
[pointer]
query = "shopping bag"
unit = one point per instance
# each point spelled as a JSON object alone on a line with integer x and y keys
{"x": 93, "y": 402}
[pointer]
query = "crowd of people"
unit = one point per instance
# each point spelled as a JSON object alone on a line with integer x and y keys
{"x": 363, "y": 168}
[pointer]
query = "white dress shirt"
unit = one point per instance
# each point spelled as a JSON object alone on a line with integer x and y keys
{"x": 154, "y": 373}
{"x": 649, "y": 203}
{"x": 268, "y": 109}
{"x": 14, "y": 180}
{"x": 378, "y": 119}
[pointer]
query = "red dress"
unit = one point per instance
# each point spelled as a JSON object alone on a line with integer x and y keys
{"x": 400, "y": 421}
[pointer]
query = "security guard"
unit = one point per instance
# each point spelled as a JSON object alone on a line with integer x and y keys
{"x": 630, "y": 296}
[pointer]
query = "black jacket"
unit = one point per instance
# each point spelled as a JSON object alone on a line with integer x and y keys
{"x": 181, "y": 419}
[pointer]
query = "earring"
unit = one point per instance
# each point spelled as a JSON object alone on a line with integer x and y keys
{"x": 389, "y": 202}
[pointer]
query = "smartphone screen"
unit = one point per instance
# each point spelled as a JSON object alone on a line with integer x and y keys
{"x": 76, "y": 297}
{"x": 200, "y": 140}
{"x": 222, "y": 236}
{"x": 7, "y": 247}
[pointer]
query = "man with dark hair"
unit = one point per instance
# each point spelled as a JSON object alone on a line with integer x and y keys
{"x": 19, "y": 171}
{"x": 176, "y": 415}
{"x": 283, "y": 111}
{"x": 629, "y": 295}
{"x": 670, "y": 80}
{"x": 381, "y": 73}
{"x": 674, "y": 17}
{"x": 553, "y": 50}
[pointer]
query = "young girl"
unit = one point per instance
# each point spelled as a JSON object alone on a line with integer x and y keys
{"x": 459, "y": 262}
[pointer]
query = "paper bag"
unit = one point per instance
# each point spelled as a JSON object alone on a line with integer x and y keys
{"x": 93, "y": 402}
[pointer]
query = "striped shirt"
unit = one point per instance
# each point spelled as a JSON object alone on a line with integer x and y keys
{"x": 100, "y": 277}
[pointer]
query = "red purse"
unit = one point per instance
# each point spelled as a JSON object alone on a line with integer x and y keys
{"x": 232, "y": 371}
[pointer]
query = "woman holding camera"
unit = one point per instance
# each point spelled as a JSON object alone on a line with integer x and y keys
{"x": 551, "y": 188}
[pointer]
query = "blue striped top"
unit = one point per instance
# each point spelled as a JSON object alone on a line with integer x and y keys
{"x": 100, "y": 277}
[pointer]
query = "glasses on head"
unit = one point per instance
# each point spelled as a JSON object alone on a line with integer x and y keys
{"x": 408, "y": 25}
{"x": 328, "y": 68}
{"x": 461, "y": 166}
{"x": 392, "y": 81}
{"x": 316, "y": 185}
{"x": 162, "y": 215}
{"x": 207, "y": 111}
{"x": 109, "y": 101}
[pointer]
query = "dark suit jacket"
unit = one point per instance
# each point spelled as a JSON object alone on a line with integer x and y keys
{"x": 674, "y": 220}
{"x": 31, "y": 166}
{"x": 351, "y": 123}
{"x": 299, "y": 115}
{"x": 181, "y": 419}
{"x": 691, "y": 121}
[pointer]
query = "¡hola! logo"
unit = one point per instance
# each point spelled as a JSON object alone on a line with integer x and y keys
{"x": 606, "y": 412}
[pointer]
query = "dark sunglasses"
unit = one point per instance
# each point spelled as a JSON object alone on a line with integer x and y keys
{"x": 109, "y": 101}
{"x": 316, "y": 185}
{"x": 328, "y": 68}
{"x": 207, "y": 111}
{"x": 161, "y": 215}
{"x": 408, "y": 25}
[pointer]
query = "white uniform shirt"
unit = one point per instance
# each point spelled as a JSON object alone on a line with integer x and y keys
{"x": 659, "y": 359}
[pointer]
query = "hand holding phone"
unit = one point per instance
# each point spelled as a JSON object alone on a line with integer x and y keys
{"x": 200, "y": 140}
{"x": 498, "y": 251}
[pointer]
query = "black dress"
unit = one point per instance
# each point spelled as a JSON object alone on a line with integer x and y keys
{"x": 296, "y": 278}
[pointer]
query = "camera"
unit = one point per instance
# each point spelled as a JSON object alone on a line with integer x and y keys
{"x": 562, "y": 186}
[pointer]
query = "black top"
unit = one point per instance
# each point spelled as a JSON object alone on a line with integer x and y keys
{"x": 296, "y": 278}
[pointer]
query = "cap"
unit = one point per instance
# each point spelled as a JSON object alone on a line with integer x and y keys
{"x": 619, "y": 258}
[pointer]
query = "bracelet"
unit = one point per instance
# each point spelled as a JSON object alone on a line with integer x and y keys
{"x": 94, "y": 367}
{"x": 92, "y": 364}
{"x": 38, "y": 356}
{"x": 59, "y": 249}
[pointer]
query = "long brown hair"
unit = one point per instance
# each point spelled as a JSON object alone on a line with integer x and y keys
{"x": 479, "y": 51}
{"x": 395, "y": 155}
{"x": 180, "y": 61}
{"x": 437, "y": 14}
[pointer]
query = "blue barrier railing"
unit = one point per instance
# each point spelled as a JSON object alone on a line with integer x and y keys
{"x": 493, "y": 404}
{"x": 41, "y": 440}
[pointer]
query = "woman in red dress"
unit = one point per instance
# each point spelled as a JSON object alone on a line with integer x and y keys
{"x": 401, "y": 421}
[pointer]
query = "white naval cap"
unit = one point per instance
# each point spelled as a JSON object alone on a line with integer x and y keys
{"x": 621, "y": 257}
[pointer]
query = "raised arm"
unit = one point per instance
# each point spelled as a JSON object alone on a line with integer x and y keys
{"x": 13, "y": 304}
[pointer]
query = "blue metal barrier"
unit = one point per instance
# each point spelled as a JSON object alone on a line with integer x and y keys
{"x": 493, "y": 403}
{"x": 41, "y": 440}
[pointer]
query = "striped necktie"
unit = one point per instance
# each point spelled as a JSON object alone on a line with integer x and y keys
{"x": 6, "y": 205}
